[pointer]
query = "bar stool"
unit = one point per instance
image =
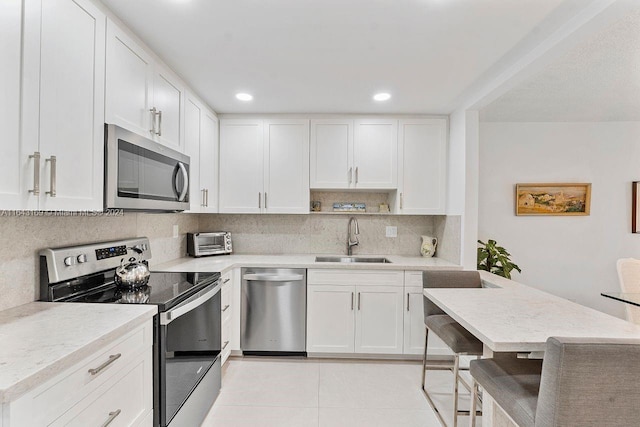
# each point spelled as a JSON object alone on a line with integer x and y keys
{"x": 456, "y": 337}
{"x": 581, "y": 382}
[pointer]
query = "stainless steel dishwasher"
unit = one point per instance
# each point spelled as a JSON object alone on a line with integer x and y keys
{"x": 274, "y": 312}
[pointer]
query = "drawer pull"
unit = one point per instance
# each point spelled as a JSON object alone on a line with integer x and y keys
{"x": 112, "y": 416}
{"x": 225, "y": 281}
{"x": 226, "y": 307}
{"x": 226, "y": 343}
{"x": 97, "y": 370}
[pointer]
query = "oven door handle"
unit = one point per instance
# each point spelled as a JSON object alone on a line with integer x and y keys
{"x": 190, "y": 304}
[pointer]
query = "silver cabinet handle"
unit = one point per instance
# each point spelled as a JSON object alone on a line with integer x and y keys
{"x": 259, "y": 200}
{"x": 154, "y": 112}
{"x": 112, "y": 416}
{"x": 225, "y": 281}
{"x": 265, "y": 200}
{"x": 206, "y": 193}
{"x": 350, "y": 175}
{"x": 226, "y": 307}
{"x": 159, "y": 123}
{"x": 358, "y": 300}
{"x": 401, "y": 200}
{"x": 226, "y": 343}
{"x": 407, "y": 301}
{"x": 52, "y": 184}
{"x": 356, "y": 174}
{"x": 36, "y": 173}
{"x": 111, "y": 359}
{"x": 352, "y": 298}
{"x": 202, "y": 203}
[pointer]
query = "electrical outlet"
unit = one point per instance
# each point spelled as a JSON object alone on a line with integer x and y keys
{"x": 392, "y": 231}
{"x": 176, "y": 230}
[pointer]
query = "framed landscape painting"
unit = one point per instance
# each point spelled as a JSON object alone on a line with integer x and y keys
{"x": 553, "y": 199}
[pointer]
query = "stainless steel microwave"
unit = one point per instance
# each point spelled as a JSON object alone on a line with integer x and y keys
{"x": 143, "y": 175}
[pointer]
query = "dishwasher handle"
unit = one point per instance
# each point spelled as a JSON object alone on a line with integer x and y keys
{"x": 273, "y": 277}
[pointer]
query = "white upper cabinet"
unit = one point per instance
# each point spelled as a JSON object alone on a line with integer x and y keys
{"x": 192, "y": 136}
{"x": 286, "y": 166}
{"x": 141, "y": 95}
{"x": 264, "y": 166}
{"x": 13, "y": 159}
{"x": 128, "y": 83}
{"x": 352, "y": 154}
{"x": 61, "y": 150}
{"x": 209, "y": 148}
{"x": 422, "y": 153}
{"x": 375, "y": 150}
{"x": 241, "y": 166}
{"x": 331, "y": 164}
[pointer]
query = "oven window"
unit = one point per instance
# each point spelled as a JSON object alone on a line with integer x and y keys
{"x": 144, "y": 174}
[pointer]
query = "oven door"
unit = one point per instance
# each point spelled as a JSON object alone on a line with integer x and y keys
{"x": 189, "y": 346}
{"x": 144, "y": 175}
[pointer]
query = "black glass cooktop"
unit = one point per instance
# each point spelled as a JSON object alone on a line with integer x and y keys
{"x": 164, "y": 289}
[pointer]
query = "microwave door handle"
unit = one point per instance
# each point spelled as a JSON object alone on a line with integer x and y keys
{"x": 185, "y": 188}
{"x": 190, "y": 304}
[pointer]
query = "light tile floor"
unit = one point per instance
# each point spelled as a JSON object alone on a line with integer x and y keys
{"x": 270, "y": 392}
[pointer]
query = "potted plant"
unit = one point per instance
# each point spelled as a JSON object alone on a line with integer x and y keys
{"x": 495, "y": 259}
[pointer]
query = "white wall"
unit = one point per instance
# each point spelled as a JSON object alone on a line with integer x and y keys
{"x": 573, "y": 257}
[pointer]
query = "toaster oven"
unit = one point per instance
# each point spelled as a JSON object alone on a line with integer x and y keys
{"x": 213, "y": 243}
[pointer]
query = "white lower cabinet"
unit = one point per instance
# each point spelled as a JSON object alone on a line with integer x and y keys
{"x": 113, "y": 386}
{"x": 355, "y": 311}
{"x": 227, "y": 314}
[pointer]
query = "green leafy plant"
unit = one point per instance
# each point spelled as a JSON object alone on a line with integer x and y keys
{"x": 495, "y": 259}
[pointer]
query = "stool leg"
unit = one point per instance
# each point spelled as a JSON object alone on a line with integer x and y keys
{"x": 474, "y": 399}
{"x": 424, "y": 356}
{"x": 456, "y": 373}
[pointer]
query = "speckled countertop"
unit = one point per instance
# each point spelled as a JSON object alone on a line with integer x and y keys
{"x": 41, "y": 339}
{"x": 223, "y": 263}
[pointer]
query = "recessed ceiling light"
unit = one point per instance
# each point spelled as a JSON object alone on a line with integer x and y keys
{"x": 382, "y": 96}
{"x": 244, "y": 96}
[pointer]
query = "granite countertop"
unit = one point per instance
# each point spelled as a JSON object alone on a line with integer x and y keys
{"x": 41, "y": 339}
{"x": 508, "y": 316}
{"x": 223, "y": 263}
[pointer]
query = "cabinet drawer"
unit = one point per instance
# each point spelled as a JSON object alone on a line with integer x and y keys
{"x": 351, "y": 277}
{"x": 69, "y": 388}
{"x": 225, "y": 301}
{"x": 125, "y": 399}
{"x": 226, "y": 339}
{"x": 413, "y": 278}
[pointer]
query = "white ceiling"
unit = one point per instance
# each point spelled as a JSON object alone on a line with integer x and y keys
{"x": 599, "y": 80}
{"x": 331, "y": 56}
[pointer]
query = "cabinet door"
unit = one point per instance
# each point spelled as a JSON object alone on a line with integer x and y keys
{"x": 413, "y": 321}
{"x": 12, "y": 156}
{"x": 330, "y": 318}
{"x": 209, "y": 161}
{"x": 331, "y": 162}
{"x": 422, "y": 154}
{"x": 379, "y": 319}
{"x": 375, "y": 153}
{"x": 241, "y": 163}
{"x": 129, "y": 82}
{"x": 286, "y": 178}
{"x": 192, "y": 132}
{"x": 168, "y": 97}
{"x": 72, "y": 104}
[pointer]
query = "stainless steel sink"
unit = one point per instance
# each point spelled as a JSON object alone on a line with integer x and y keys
{"x": 352, "y": 259}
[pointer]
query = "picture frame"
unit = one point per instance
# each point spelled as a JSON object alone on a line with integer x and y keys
{"x": 635, "y": 208}
{"x": 553, "y": 199}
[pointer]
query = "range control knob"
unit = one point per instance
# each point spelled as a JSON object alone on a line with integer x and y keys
{"x": 69, "y": 261}
{"x": 82, "y": 258}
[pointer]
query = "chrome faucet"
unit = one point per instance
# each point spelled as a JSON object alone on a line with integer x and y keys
{"x": 352, "y": 240}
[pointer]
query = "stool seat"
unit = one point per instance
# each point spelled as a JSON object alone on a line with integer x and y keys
{"x": 454, "y": 335}
{"x": 513, "y": 383}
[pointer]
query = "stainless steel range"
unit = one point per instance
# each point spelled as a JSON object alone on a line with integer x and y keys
{"x": 187, "y": 328}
